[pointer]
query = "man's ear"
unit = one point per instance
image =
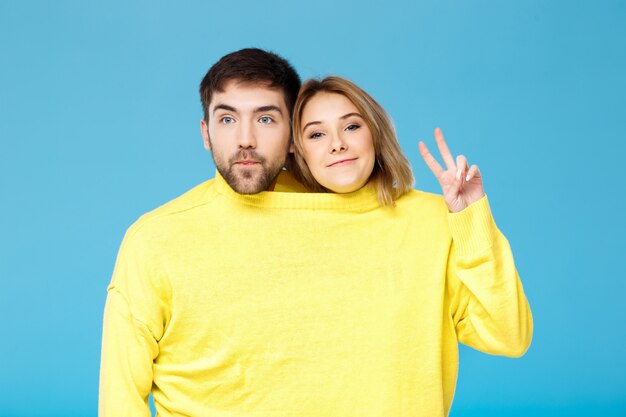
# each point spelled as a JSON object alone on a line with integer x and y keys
{"x": 204, "y": 130}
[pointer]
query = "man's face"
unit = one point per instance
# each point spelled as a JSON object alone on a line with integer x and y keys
{"x": 248, "y": 134}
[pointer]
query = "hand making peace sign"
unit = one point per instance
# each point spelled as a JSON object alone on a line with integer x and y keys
{"x": 461, "y": 187}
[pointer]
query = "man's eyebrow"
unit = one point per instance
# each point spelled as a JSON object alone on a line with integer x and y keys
{"x": 268, "y": 108}
{"x": 224, "y": 107}
{"x": 345, "y": 116}
{"x": 261, "y": 109}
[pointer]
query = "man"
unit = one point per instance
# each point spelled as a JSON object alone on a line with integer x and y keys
{"x": 247, "y": 99}
{"x": 234, "y": 301}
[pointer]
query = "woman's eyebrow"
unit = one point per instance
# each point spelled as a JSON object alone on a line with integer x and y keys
{"x": 309, "y": 124}
{"x": 345, "y": 116}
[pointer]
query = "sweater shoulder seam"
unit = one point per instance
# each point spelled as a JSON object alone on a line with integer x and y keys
{"x": 165, "y": 210}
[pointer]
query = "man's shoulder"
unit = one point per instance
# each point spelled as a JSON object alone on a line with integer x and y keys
{"x": 190, "y": 199}
{"x": 196, "y": 197}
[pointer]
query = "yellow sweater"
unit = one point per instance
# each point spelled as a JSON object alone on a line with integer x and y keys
{"x": 304, "y": 305}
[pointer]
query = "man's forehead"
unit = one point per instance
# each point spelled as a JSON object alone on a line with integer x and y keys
{"x": 249, "y": 86}
{"x": 237, "y": 93}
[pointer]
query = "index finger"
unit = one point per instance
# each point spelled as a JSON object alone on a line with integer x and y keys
{"x": 430, "y": 160}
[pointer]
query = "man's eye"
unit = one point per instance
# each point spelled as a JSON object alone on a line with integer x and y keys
{"x": 227, "y": 120}
{"x": 353, "y": 127}
{"x": 266, "y": 120}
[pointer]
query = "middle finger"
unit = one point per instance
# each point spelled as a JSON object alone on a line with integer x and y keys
{"x": 443, "y": 150}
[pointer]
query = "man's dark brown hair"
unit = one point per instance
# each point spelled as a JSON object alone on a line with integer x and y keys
{"x": 251, "y": 65}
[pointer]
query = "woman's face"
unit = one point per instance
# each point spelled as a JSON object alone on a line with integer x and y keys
{"x": 337, "y": 143}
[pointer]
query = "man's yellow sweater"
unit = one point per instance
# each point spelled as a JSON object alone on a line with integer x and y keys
{"x": 308, "y": 305}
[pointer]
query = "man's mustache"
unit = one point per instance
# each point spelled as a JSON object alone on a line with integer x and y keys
{"x": 247, "y": 154}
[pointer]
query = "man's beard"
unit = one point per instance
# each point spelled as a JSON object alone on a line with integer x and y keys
{"x": 248, "y": 180}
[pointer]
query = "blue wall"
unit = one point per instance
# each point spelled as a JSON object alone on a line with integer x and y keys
{"x": 99, "y": 118}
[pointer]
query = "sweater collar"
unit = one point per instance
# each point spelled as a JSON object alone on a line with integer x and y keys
{"x": 364, "y": 199}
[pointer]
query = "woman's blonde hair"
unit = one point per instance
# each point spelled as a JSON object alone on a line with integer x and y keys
{"x": 392, "y": 176}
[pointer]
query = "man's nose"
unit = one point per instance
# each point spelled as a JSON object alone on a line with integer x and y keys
{"x": 247, "y": 136}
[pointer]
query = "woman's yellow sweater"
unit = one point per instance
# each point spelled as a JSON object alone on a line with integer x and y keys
{"x": 309, "y": 305}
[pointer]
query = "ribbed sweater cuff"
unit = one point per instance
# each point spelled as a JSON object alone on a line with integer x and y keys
{"x": 473, "y": 229}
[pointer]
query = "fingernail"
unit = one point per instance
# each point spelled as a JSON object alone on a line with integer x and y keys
{"x": 467, "y": 177}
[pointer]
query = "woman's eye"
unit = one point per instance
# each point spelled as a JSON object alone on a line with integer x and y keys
{"x": 315, "y": 135}
{"x": 266, "y": 120}
{"x": 227, "y": 120}
{"x": 353, "y": 127}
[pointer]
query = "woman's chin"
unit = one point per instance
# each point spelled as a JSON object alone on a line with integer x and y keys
{"x": 344, "y": 188}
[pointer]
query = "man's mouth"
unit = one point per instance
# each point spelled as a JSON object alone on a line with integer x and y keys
{"x": 246, "y": 162}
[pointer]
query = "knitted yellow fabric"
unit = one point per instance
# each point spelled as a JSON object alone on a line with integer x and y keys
{"x": 300, "y": 304}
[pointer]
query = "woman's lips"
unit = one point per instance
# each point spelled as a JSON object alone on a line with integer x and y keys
{"x": 342, "y": 162}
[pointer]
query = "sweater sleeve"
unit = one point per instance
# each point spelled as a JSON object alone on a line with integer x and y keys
{"x": 488, "y": 306}
{"x": 133, "y": 324}
{"x": 126, "y": 364}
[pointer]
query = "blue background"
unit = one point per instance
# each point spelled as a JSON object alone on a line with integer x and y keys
{"x": 99, "y": 122}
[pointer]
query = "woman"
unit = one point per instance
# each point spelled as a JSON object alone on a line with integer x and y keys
{"x": 344, "y": 140}
{"x": 423, "y": 274}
